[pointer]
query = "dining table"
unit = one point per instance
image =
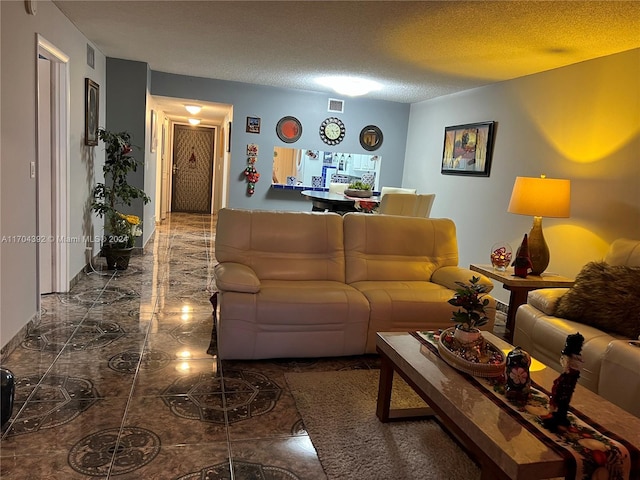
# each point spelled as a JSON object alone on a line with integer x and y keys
{"x": 334, "y": 202}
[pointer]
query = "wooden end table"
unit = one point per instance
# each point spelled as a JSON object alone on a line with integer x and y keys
{"x": 520, "y": 288}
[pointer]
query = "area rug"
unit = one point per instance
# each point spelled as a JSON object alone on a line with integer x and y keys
{"x": 338, "y": 411}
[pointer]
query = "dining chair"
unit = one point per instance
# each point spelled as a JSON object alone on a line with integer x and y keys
{"x": 386, "y": 190}
{"x": 337, "y": 187}
{"x": 398, "y": 204}
{"x": 424, "y": 202}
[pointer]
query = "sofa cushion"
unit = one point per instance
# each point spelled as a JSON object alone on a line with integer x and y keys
{"x": 604, "y": 296}
{"x": 394, "y": 248}
{"x": 282, "y": 245}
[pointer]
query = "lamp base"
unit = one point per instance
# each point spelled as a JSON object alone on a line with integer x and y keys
{"x": 538, "y": 249}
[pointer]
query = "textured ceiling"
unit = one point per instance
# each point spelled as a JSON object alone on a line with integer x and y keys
{"x": 417, "y": 50}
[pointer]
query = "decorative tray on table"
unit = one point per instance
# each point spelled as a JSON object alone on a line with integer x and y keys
{"x": 480, "y": 358}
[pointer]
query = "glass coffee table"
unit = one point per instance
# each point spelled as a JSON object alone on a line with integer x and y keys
{"x": 500, "y": 444}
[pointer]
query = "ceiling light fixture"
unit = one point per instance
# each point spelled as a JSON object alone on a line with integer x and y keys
{"x": 194, "y": 121}
{"x": 351, "y": 86}
{"x": 193, "y": 109}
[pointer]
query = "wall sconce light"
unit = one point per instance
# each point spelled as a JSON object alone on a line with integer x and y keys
{"x": 194, "y": 121}
{"x": 193, "y": 109}
{"x": 540, "y": 197}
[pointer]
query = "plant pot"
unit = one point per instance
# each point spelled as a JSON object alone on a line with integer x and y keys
{"x": 358, "y": 193}
{"x": 117, "y": 258}
{"x": 464, "y": 336}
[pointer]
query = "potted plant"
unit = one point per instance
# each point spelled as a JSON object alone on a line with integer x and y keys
{"x": 115, "y": 193}
{"x": 358, "y": 189}
{"x": 471, "y": 314}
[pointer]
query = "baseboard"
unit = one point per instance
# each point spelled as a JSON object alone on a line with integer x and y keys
{"x": 19, "y": 337}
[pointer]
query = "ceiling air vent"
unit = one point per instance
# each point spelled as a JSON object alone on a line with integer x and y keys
{"x": 336, "y": 106}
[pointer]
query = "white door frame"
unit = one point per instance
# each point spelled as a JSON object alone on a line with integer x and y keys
{"x": 60, "y": 127}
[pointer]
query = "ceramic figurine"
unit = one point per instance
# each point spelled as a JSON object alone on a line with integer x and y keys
{"x": 518, "y": 381}
{"x": 522, "y": 263}
{"x": 565, "y": 384}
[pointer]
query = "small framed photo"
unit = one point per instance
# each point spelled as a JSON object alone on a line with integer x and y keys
{"x": 468, "y": 149}
{"x": 253, "y": 125}
{"x": 91, "y": 111}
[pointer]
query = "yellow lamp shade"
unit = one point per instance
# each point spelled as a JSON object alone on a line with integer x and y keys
{"x": 541, "y": 197}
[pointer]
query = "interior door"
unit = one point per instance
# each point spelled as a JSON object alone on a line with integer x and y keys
{"x": 45, "y": 197}
{"x": 192, "y": 171}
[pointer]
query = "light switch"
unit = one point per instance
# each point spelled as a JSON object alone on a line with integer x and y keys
{"x": 33, "y": 169}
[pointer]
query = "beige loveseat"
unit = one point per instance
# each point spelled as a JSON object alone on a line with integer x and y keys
{"x": 298, "y": 284}
{"x": 604, "y": 306}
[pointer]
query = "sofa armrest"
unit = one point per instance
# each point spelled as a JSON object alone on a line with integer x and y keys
{"x": 546, "y": 299}
{"x": 448, "y": 276}
{"x": 236, "y": 277}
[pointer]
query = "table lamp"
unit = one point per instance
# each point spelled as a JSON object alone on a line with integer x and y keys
{"x": 540, "y": 197}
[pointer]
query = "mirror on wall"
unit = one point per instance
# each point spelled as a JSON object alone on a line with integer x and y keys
{"x": 317, "y": 169}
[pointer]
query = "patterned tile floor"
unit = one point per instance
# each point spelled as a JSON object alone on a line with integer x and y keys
{"x": 115, "y": 381}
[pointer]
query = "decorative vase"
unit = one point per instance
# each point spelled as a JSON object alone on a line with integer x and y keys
{"x": 117, "y": 258}
{"x": 464, "y": 336}
{"x": 7, "y": 392}
{"x": 501, "y": 254}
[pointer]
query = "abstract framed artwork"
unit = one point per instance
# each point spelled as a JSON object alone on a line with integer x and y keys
{"x": 91, "y": 111}
{"x": 468, "y": 149}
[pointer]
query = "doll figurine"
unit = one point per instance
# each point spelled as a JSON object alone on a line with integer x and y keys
{"x": 522, "y": 263}
{"x": 565, "y": 384}
{"x": 518, "y": 385}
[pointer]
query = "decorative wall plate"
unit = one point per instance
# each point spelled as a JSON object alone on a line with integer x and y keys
{"x": 371, "y": 138}
{"x": 332, "y": 131}
{"x": 289, "y": 129}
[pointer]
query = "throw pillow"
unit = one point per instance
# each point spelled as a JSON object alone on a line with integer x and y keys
{"x": 606, "y": 297}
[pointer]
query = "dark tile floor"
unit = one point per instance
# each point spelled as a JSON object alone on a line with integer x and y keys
{"x": 115, "y": 382}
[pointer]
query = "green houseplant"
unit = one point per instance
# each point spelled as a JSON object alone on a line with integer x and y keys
{"x": 115, "y": 193}
{"x": 471, "y": 302}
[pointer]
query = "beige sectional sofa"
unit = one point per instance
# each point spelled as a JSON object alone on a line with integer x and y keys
{"x": 604, "y": 306}
{"x": 307, "y": 284}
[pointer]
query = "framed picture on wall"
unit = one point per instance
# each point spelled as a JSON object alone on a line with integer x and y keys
{"x": 468, "y": 149}
{"x": 253, "y": 125}
{"x": 91, "y": 111}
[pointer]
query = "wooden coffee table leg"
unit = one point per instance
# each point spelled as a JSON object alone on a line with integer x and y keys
{"x": 383, "y": 408}
{"x": 384, "y": 389}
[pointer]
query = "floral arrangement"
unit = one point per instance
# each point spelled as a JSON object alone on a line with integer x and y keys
{"x": 127, "y": 228}
{"x": 470, "y": 298}
{"x": 116, "y": 191}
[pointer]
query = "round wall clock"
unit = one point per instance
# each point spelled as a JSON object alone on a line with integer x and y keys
{"x": 289, "y": 129}
{"x": 332, "y": 131}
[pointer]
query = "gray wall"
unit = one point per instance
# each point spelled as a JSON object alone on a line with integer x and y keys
{"x": 580, "y": 122}
{"x": 127, "y": 111}
{"x": 18, "y": 299}
{"x": 271, "y": 104}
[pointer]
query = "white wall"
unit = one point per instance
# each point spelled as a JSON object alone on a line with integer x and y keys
{"x": 580, "y": 122}
{"x": 18, "y": 299}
